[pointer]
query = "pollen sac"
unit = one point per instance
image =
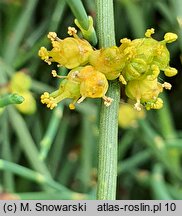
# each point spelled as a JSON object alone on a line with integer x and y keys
{"x": 108, "y": 61}
{"x": 70, "y": 52}
{"x": 145, "y": 92}
{"x": 146, "y": 57}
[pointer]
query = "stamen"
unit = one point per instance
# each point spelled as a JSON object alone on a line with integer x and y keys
{"x": 81, "y": 99}
{"x": 149, "y": 32}
{"x": 167, "y": 85}
{"x": 107, "y": 100}
{"x": 53, "y": 36}
{"x": 125, "y": 41}
{"x": 138, "y": 105}
{"x": 54, "y": 74}
{"x": 72, "y": 31}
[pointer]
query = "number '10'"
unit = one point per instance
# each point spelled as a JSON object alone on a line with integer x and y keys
{"x": 170, "y": 206}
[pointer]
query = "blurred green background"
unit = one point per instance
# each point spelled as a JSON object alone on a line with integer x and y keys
{"x": 53, "y": 154}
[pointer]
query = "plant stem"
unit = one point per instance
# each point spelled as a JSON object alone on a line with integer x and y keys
{"x": 11, "y": 99}
{"x": 50, "y": 134}
{"x": 19, "y": 31}
{"x": 26, "y": 142}
{"x": 166, "y": 120}
{"x": 7, "y": 155}
{"x": 167, "y": 128}
{"x": 38, "y": 178}
{"x": 157, "y": 144}
{"x": 133, "y": 162}
{"x": 79, "y": 12}
{"x": 108, "y": 137}
{"x": 86, "y": 153}
{"x": 52, "y": 196}
{"x": 84, "y": 22}
{"x": 56, "y": 153}
{"x": 158, "y": 184}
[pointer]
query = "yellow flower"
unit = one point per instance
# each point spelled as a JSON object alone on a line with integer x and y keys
{"x": 28, "y": 106}
{"x": 20, "y": 83}
{"x": 128, "y": 116}
{"x": 146, "y": 57}
{"x": 70, "y": 52}
{"x": 137, "y": 63}
{"x": 93, "y": 85}
{"x": 69, "y": 88}
{"x": 145, "y": 92}
{"x": 80, "y": 83}
{"x": 109, "y": 61}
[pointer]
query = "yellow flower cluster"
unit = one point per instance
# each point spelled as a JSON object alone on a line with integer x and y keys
{"x": 21, "y": 83}
{"x": 137, "y": 63}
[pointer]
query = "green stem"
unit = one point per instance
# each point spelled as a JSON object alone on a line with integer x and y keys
{"x": 84, "y": 23}
{"x": 174, "y": 144}
{"x": 108, "y": 137}
{"x": 19, "y": 31}
{"x": 26, "y": 142}
{"x": 70, "y": 165}
{"x": 134, "y": 161}
{"x": 125, "y": 143}
{"x": 158, "y": 184}
{"x": 157, "y": 144}
{"x": 57, "y": 15}
{"x": 52, "y": 196}
{"x": 167, "y": 128}
{"x": 50, "y": 134}
{"x": 166, "y": 120}
{"x": 79, "y": 12}
{"x": 37, "y": 177}
{"x": 7, "y": 155}
{"x": 86, "y": 153}
{"x": 57, "y": 149}
{"x": 175, "y": 191}
{"x": 11, "y": 99}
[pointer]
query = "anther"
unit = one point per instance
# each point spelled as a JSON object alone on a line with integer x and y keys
{"x": 54, "y": 74}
